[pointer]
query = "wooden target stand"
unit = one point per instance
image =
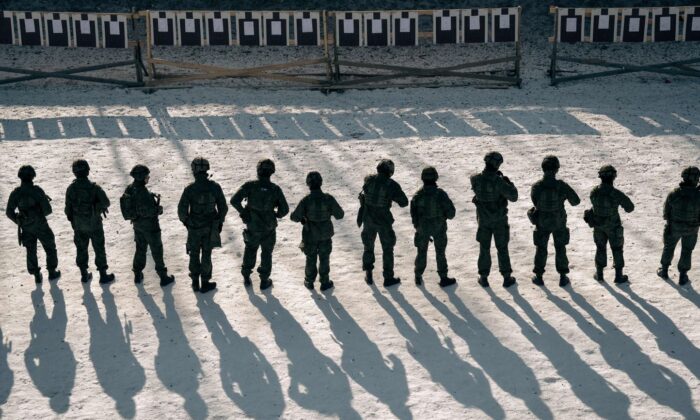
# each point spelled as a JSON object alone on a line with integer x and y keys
{"x": 212, "y": 72}
{"x": 673, "y": 68}
{"x": 75, "y": 73}
{"x": 372, "y": 81}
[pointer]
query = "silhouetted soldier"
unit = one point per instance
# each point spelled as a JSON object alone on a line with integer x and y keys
{"x": 28, "y": 207}
{"x": 378, "y": 192}
{"x": 86, "y": 205}
{"x": 492, "y": 191}
{"x": 605, "y": 220}
{"x": 142, "y": 208}
{"x": 430, "y": 209}
{"x": 202, "y": 209}
{"x": 682, "y": 215}
{"x": 265, "y": 203}
{"x": 549, "y": 217}
{"x": 314, "y": 212}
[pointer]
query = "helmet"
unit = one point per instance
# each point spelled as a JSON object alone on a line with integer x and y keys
{"x": 607, "y": 171}
{"x": 691, "y": 174}
{"x": 199, "y": 165}
{"x": 550, "y": 163}
{"x": 26, "y": 173}
{"x": 386, "y": 166}
{"x": 429, "y": 174}
{"x": 139, "y": 172}
{"x": 80, "y": 167}
{"x": 314, "y": 180}
{"x": 265, "y": 168}
{"x": 493, "y": 158}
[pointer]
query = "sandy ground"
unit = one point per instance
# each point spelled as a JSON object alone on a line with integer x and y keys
{"x": 589, "y": 350}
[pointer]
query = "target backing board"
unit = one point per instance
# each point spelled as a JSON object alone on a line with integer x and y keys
{"x": 475, "y": 26}
{"x": 665, "y": 24}
{"x": 377, "y": 29}
{"x": 604, "y": 25}
{"x": 505, "y": 24}
{"x": 446, "y": 26}
{"x": 85, "y": 30}
{"x": 7, "y": 28}
{"x": 405, "y": 24}
{"x": 692, "y": 23}
{"x": 249, "y": 28}
{"x": 634, "y": 24}
{"x": 570, "y": 27}
{"x": 30, "y": 29}
{"x": 348, "y": 29}
{"x": 276, "y": 28}
{"x": 163, "y": 28}
{"x": 190, "y": 26}
{"x": 307, "y": 28}
{"x": 218, "y": 28}
{"x": 115, "y": 31}
{"x": 57, "y": 29}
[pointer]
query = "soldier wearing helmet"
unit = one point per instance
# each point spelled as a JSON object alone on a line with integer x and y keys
{"x": 431, "y": 207}
{"x": 605, "y": 220}
{"x": 202, "y": 209}
{"x": 86, "y": 205}
{"x": 314, "y": 212}
{"x": 142, "y": 208}
{"x": 549, "y": 217}
{"x": 378, "y": 193}
{"x": 682, "y": 215}
{"x": 492, "y": 192}
{"x": 28, "y": 207}
{"x": 265, "y": 203}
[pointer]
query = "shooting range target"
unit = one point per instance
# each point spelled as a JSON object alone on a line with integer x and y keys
{"x": 692, "y": 23}
{"x": 445, "y": 26}
{"x": 7, "y": 28}
{"x": 474, "y": 24}
{"x": 570, "y": 25}
{"x": 114, "y": 31}
{"x": 665, "y": 24}
{"x": 276, "y": 28}
{"x": 163, "y": 30}
{"x": 307, "y": 29}
{"x": 377, "y": 29}
{"x": 218, "y": 26}
{"x": 249, "y": 28}
{"x": 505, "y": 24}
{"x": 85, "y": 30}
{"x": 634, "y": 24}
{"x": 604, "y": 25}
{"x": 348, "y": 29}
{"x": 30, "y": 28}
{"x": 190, "y": 28}
{"x": 405, "y": 31}
{"x": 57, "y": 29}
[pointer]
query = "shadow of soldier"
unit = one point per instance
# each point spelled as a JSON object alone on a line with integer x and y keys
{"x": 382, "y": 377}
{"x": 669, "y": 337}
{"x": 49, "y": 358}
{"x": 467, "y": 384}
{"x": 8, "y": 377}
{"x": 588, "y": 385}
{"x": 247, "y": 377}
{"x": 177, "y": 365}
{"x": 624, "y": 354}
{"x": 316, "y": 382}
{"x": 119, "y": 373}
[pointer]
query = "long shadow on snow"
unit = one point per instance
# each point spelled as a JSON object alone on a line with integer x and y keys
{"x": 8, "y": 377}
{"x": 501, "y": 364}
{"x": 316, "y": 382}
{"x": 119, "y": 373}
{"x": 247, "y": 377}
{"x": 624, "y": 354}
{"x": 465, "y": 383}
{"x": 177, "y": 365}
{"x": 363, "y": 361}
{"x": 49, "y": 358}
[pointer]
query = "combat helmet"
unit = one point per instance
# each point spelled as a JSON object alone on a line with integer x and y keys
{"x": 429, "y": 174}
{"x": 493, "y": 159}
{"x": 607, "y": 171}
{"x": 691, "y": 174}
{"x": 314, "y": 180}
{"x": 265, "y": 168}
{"x": 139, "y": 172}
{"x": 386, "y": 167}
{"x": 80, "y": 167}
{"x": 199, "y": 165}
{"x": 550, "y": 163}
{"x": 26, "y": 173}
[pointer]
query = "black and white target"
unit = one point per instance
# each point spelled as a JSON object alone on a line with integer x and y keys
{"x": 30, "y": 28}
{"x": 665, "y": 24}
{"x": 445, "y": 26}
{"x": 604, "y": 25}
{"x": 276, "y": 28}
{"x": 57, "y": 29}
{"x": 692, "y": 23}
{"x": 85, "y": 30}
{"x": 348, "y": 29}
{"x": 114, "y": 31}
{"x": 218, "y": 28}
{"x": 307, "y": 29}
{"x": 405, "y": 31}
{"x": 163, "y": 29}
{"x": 505, "y": 24}
{"x": 475, "y": 25}
{"x": 634, "y": 24}
{"x": 570, "y": 25}
{"x": 7, "y": 28}
{"x": 377, "y": 29}
{"x": 190, "y": 28}
{"x": 249, "y": 28}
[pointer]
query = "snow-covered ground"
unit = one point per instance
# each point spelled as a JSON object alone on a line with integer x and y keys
{"x": 589, "y": 350}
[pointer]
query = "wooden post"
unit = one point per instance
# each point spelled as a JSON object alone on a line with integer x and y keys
{"x": 336, "y": 64}
{"x": 518, "y": 51}
{"x": 326, "y": 52}
{"x": 149, "y": 49}
{"x": 553, "y": 63}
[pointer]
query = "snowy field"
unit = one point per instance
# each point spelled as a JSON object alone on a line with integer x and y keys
{"x": 586, "y": 351}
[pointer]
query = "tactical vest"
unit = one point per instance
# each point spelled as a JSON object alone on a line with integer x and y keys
{"x": 605, "y": 204}
{"x": 549, "y": 199}
{"x": 83, "y": 199}
{"x": 262, "y": 197}
{"x": 203, "y": 202}
{"x": 30, "y": 208}
{"x": 138, "y": 204}
{"x": 686, "y": 206}
{"x": 318, "y": 209}
{"x": 487, "y": 189}
{"x": 377, "y": 192}
{"x": 428, "y": 202}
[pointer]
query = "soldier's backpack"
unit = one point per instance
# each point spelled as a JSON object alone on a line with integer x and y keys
{"x": 126, "y": 204}
{"x": 83, "y": 201}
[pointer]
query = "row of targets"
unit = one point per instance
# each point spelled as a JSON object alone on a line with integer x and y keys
{"x": 182, "y": 28}
{"x": 451, "y": 26}
{"x": 660, "y": 24}
{"x": 53, "y": 29}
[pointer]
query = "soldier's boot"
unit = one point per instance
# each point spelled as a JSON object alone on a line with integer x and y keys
{"x": 662, "y": 272}
{"x": 309, "y": 284}
{"x": 447, "y": 281}
{"x": 564, "y": 280}
{"x": 327, "y": 284}
{"x": 390, "y": 281}
{"x": 195, "y": 282}
{"x": 38, "y": 278}
{"x": 483, "y": 281}
{"x": 165, "y": 279}
{"x": 508, "y": 280}
{"x": 54, "y": 274}
{"x": 85, "y": 275}
{"x": 683, "y": 278}
{"x": 620, "y": 277}
{"x": 265, "y": 283}
{"x": 207, "y": 286}
{"x": 106, "y": 277}
{"x": 419, "y": 280}
{"x": 537, "y": 279}
{"x": 138, "y": 277}
{"x": 369, "y": 279}
{"x": 246, "y": 279}
{"x": 599, "y": 275}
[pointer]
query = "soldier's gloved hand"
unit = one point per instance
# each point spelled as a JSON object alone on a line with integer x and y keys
{"x": 505, "y": 178}
{"x": 104, "y": 213}
{"x": 160, "y": 210}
